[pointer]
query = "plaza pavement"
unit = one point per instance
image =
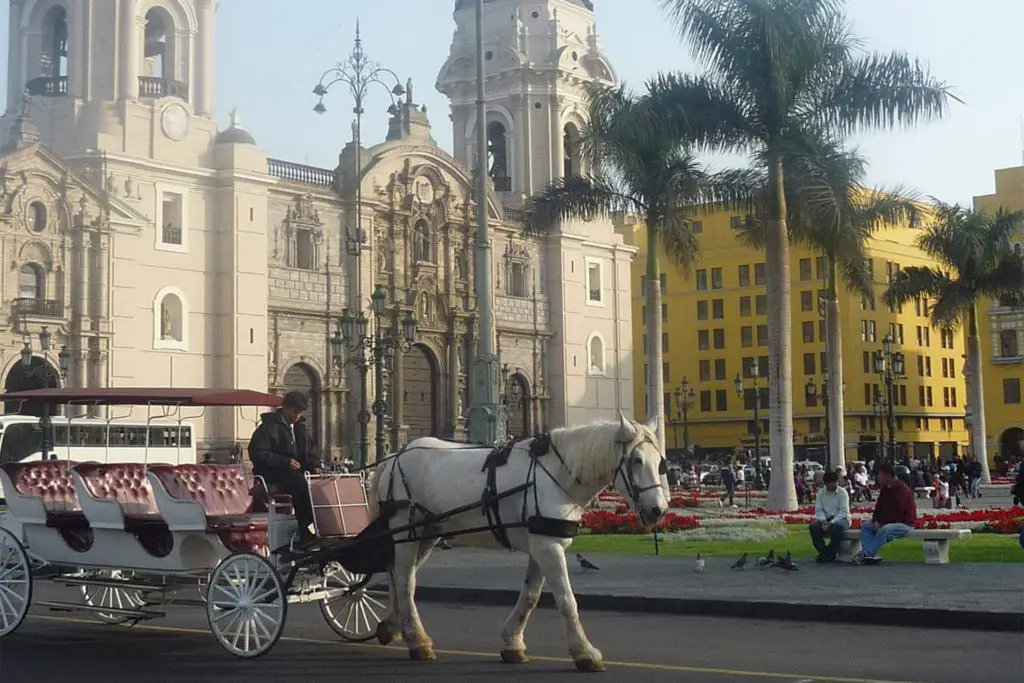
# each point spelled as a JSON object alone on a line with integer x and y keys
{"x": 988, "y": 597}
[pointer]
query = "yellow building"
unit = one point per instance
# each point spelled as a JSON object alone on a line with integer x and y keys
{"x": 715, "y": 327}
{"x": 1000, "y": 329}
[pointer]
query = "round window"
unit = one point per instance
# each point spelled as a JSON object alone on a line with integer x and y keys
{"x": 37, "y": 217}
{"x": 575, "y": 57}
{"x": 534, "y": 14}
{"x": 489, "y": 55}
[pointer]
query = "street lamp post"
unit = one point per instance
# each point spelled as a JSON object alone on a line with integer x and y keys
{"x": 878, "y": 407}
{"x": 42, "y": 373}
{"x": 358, "y": 73}
{"x": 754, "y": 374}
{"x": 889, "y": 366}
{"x": 375, "y": 349}
{"x": 685, "y": 396}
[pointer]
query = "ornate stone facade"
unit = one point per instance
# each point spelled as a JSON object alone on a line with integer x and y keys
{"x": 177, "y": 255}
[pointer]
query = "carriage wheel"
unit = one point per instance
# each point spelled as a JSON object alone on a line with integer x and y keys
{"x": 113, "y": 597}
{"x": 354, "y": 615}
{"x": 15, "y": 582}
{"x": 246, "y": 605}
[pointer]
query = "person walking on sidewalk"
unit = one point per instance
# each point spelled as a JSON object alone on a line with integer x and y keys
{"x": 729, "y": 482}
{"x": 895, "y": 516}
{"x": 974, "y": 471}
{"x": 831, "y": 518}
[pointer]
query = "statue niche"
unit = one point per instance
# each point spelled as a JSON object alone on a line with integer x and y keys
{"x": 422, "y": 247}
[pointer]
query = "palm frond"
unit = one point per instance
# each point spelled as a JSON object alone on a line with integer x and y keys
{"x": 916, "y": 281}
{"x": 676, "y": 236}
{"x": 578, "y": 197}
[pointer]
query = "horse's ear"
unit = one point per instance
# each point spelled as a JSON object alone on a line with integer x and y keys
{"x": 652, "y": 423}
{"x": 627, "y": 430}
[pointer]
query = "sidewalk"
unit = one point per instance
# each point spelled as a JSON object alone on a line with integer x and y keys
{"x": 987, "y": 597}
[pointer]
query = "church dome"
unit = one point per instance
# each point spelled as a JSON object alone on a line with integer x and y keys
{"x": 235, "y": 134}
{"x": 464, "y": 4}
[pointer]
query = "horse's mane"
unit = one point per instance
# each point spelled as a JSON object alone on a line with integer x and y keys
{"x": 590, "y": 451}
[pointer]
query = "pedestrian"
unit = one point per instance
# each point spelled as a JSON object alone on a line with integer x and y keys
{"x": 895, "y": 516}
{"x": 974, "y": 471}
{"x": 729, "y": 482}
{"x": 831, "y": 518}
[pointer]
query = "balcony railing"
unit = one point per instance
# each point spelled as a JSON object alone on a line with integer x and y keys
{"x": 155, "y": 88}
{"x": 171, "y": 234}
{"x": 38, "y": 308}
{"x": 48, "y": 86}
{"x": 515, "y": 216}
{"x": 299, "y": 173}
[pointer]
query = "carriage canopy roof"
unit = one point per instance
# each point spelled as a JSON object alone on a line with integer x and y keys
{"x": 162, "y": 396}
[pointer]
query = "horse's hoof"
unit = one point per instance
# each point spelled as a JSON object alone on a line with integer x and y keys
{"x": 422, "y": 654}
{"x": 384, "y": 635}
{"x": 514, "y": 657}
{"x": 589, "y": 666}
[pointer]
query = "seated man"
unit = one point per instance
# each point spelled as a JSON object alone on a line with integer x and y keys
{"x": 895, "y": 516}
{"x": 282, "y": 451}
{"x": 831, "y": 517}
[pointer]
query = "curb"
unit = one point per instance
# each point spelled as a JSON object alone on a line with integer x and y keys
{"x": 959, "y": 620}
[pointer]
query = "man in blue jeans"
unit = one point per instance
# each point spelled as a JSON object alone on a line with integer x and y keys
{"x": 895, "y": 516}
{"x": 831, "y": 518}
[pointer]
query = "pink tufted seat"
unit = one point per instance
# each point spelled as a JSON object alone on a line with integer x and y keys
{"x": 50, "y": 480}
{"x": 223, "y": 491}
{"x": 127, "y": 484}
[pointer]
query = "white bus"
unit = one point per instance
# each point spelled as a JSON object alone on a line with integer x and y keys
{"x": 95, "y": 440}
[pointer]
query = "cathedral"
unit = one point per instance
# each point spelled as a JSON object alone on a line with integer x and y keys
{"x": 161, "y": 250}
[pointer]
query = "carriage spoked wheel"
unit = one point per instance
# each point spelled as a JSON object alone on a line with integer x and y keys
{"x": 113, "y": 597}
{"x": 246, "y": 605}
{"x": 15, "y": 582}
{"x": 353, "y": 614}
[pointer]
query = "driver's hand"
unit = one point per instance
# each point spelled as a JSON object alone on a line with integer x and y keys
{"x": 295, "y": 464}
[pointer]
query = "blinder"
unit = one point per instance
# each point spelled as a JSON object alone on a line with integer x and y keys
{"x": 625, "y": 471}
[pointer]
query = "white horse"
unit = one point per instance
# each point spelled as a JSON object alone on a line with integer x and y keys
{"x": 436, "y": 476}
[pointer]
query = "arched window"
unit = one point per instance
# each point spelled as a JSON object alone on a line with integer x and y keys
{"x": 421, "y": 250}
{"x": 1008, "y": 344}
{"x": 30, "y": 282}
{"x": 595, "y": 354}
{"x": 571, "y": 150}
{"x": 170, "y": 320}
{"x": 497, "y": 157}
{"x": 55, "y": 43}
{"x": 37, "y": 217}
{"x": 159, "y": 44}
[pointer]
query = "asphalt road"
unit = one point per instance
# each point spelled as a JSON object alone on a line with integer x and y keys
{"x": 52, "y": 648}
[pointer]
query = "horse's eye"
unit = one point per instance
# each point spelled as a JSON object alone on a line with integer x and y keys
{"x": 637, "y": 460}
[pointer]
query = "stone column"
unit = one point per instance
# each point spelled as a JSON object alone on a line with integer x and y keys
{"x": 453, "y": 382}
{"x": 205, "y": 55}
{"x": 527, "y": 135}
{"x": 556, "y": 137}
{"x": 129, "y": 48}
{"x": 397, "y": 398}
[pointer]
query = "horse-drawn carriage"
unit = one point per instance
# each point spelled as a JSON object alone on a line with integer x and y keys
{"x": 135, "y": 538}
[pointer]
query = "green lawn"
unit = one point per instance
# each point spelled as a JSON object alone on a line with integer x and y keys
{"x": 979, "y": 548}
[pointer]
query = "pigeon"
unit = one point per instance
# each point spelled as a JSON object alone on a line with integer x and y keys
{"x": 787, "y": 563}
{"x": 699, "y": 565}
{"x": 740, "y": 563}
{"x": 767, "y": 561}
{"x": 585, "y": 563}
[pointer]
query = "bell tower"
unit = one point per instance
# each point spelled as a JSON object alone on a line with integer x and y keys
{"x": 538, "y": 57}
{"x": 95, "y": 70}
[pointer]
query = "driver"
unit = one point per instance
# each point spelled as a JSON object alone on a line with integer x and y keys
{"x": 282, "y": 451}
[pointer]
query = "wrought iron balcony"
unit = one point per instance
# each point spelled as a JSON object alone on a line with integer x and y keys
{"x": 48, "y": 86}
{"x": 27, "y": 307}
{"x": 155, "y": 88}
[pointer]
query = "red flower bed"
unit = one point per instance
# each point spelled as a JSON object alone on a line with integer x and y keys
{"x": 605, "y": 522}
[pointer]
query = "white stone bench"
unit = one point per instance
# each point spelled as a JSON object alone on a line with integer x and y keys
{"x": 936, "y": 543}
{"x": 924, "y": 491}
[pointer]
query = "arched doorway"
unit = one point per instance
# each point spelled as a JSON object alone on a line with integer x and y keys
{"x": 42, "y": 376}
{"x": 517, "y": 396}
{"x": 1010, "y": 443}
{"x": 300, "y": 377}
{"x": 419, "y": 399}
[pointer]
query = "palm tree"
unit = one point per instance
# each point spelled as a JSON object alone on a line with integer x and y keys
{"x": 777, "y": 73}
{"x": 657, "y": 179}
{"x": 833, "y": 212}
{"x": 975, "y": 250}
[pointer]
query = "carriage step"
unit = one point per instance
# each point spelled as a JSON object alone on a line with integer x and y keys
{"x": 114, "y": 583}
{"x": 70, "y": 607}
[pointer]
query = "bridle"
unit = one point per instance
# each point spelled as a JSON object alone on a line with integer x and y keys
{"x": 625, "y": 472}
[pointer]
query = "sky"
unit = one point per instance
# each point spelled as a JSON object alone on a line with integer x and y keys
{"x": 271, "y": 53}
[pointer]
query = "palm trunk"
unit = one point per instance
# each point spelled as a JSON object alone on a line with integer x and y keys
{"x": 979, "y": 443}
{"x": 781, "y": 491}
{"x": 834, "y": 361}
{"x": 655, "y": 357}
